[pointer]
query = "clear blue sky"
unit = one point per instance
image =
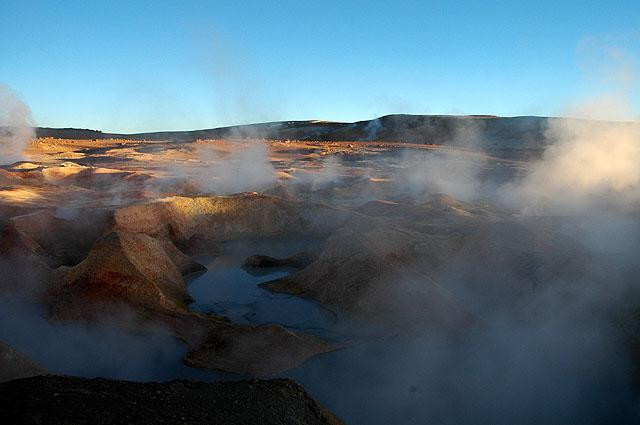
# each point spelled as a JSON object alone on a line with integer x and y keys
{"x": 158, "y": 65}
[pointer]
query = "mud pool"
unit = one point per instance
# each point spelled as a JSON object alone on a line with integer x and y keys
{"x": 227, "y": 289}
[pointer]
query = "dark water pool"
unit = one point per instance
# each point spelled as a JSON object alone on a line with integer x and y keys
{"x": 550, "y": 371}
{"x": 230, "y": 290}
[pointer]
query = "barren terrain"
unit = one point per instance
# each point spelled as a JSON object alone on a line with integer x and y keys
{"x": 413, "y": 247}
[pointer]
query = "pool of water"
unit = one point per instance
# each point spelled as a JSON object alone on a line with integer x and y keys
{"x": 91, "y": 350}
{"x": 227, "y": 289}
{"x": 500, "y": 374}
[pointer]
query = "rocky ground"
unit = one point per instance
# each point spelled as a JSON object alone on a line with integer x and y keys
{"x": 104, "y": 232}
{"x": 68, "y": 400}
{"x": 101, "y": 231}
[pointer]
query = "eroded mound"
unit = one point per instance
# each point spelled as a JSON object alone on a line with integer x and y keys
{"x": 224, "y": 218}
{"x": 386, "y": 263}
{"x": 32, "y": 245}
{"x": 133, "y": 277}
{"x": 131, "y": 268}
{"x": 62, "y": 242}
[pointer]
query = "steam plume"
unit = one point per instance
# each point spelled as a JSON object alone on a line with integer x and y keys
{"x": 589, "y": 161}
{"x": 16, "y": 125}
{"x": 443, "y": 172}
{"x": 244, "y": 169}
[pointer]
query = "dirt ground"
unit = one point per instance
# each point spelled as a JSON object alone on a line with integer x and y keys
{"x": 61, "y": 173}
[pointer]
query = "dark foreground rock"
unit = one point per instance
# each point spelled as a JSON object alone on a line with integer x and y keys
{"x": 71, "y": 400}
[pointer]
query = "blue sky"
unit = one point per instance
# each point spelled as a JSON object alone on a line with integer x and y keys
{"x": 142, "y": 65}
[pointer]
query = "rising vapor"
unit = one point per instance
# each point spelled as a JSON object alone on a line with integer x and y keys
{"x": 593, "y": 159}
{"x": 16, "y": 125}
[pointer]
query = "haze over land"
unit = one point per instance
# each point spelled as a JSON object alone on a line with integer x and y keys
{"x": 417, "y": 241}
{"x": 422, "y": 265}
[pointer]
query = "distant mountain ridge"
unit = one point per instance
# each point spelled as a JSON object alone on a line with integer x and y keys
{"x": 398, "y": 128}
{"x": 509, "y": 136}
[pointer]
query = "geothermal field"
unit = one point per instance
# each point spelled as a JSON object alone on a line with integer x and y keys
{"x": 408, "y": 269}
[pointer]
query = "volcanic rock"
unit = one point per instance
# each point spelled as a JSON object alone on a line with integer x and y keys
{"x": 398, "y": 260}
{"x": 62, "y": 242}
{"x": 63, "y": 171}
{"x": 131, "y": 268}
{"x": 224, "y": 218}
{"x": 33, "y": 244}
{"x": 372, "y": 274}
{"x": 25, "y": 258}
{"x": 135, "y": 281}
{"x": 63, "y": 399}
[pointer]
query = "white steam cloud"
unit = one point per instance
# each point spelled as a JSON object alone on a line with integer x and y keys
{"x": 331, "y": 172}
{"x": 452, "y": 172}
{"x": 589, "y": 163}
{"x": 16, "y": 126}
{"x": 426, "y": 173}
{"x": 245, "y": 168}
{"x": 592, "y": 160}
